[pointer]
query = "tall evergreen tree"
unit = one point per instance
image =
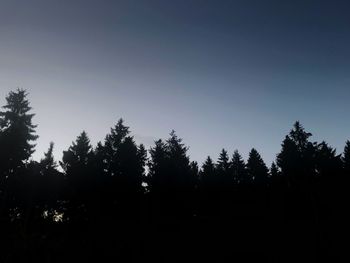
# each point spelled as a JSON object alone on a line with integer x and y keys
{"x": 239, "y": 168}
{"x": 289, "y": 158}
{"x": 223, "y": 168}
{"x": 256, "y": 168}
{"x": 208, "y": 174}
{"x": 142, "y": 161}
{"x": 299, "y": 136}
{"x": 328, "y": 163}
{"x": 48, "y": 163}
{"x": 17, "y": 132}
{"x": 346, "y": 158}
{"x": 76, "y": 159}
{"x": 157, "y": 166}
{"x": 112, "y": 144}
{"x": 169, "y": 165}
{"x": 274, "y": 170}
{"x": 130, "y": 166}
{"x": 179, "y": 169}
{"x": 77, "y": 166}
{"x": 297, "y": 157}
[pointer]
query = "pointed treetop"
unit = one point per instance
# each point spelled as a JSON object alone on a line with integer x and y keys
{"x": 346, "y": 156}
{"x": 299, "y": 135}
{"x": 17, "y": 102}
{"x": 48, "y": 162}
{"x": 238, "y": 168}
{"x": 256, "y": 167}
{"x": 118, "y": 133}
{"x": 274, "y": 170}
{"x": 17, "y": 129}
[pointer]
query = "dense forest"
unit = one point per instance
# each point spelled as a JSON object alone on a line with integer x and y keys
{"x": 120, "y": 201}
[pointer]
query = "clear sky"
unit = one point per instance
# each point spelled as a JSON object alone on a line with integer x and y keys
{"x": 233, "y": 74}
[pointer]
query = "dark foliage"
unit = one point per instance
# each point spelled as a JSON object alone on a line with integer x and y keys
{"x": 117, "y": 203}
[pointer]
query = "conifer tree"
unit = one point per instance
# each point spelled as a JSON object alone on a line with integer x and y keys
{"x": 142, "y": 160}
{"x": 208, "y": 173}
{"x": 299, "y": 136}
{"x": 157, "y": 166}
{"x": 130, "y": 166}
{"x": 179, "y": 169}
{"x": 274, "y": 170}
{"x": 297, "y": 157}
{"x": 169, "y": 166}
{"x": 256, "y": 168}
{"x": 112, "y": 144}
{"x": 239, "y": 168}
{"x": 48, "y": 164}
{"x": 76, "y": 159}
{"x": 76, "y": 164}
{"x": 194, "y": 172}
{"x": 346, "y": 158}
{"x": 17, "y": 132}
{"x": 328, "y": 163}
{"x": 223, "y": 166}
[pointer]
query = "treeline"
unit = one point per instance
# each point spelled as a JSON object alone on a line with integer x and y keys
{"x": 119, "y": 200}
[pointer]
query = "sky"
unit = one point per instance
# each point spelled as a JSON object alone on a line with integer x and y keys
{"x": 222, "y": 74}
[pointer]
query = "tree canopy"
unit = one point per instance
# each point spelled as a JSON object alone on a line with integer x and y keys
{"x": 122, "y": 201}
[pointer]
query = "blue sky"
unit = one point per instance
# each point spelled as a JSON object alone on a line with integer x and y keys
{"x": 233, "y": 74}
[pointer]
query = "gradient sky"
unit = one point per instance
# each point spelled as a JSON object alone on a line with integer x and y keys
{"x": 233, "y": 74}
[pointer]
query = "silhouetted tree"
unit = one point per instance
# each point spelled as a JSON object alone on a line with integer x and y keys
{"x": 346, "y": 158}
{"x": 112, "y": 144}
{"x": 239, "y": 169}
{"x": 76, "y": 164}
{"x": 274, "y": 170}
{"x": 328, "y": 163}
{"x": 194, "y": 171}
{"x": 115, "y": 201}
{"x": 208, "y": 173}
{"x": 297, "y": 157}
{"x": 157, "y": 166}
{"x": 256, "y": 168}
{"x": 76, "y": 159}
{"x": 49, "y": 183}
{"x": 223, "y": 168}
{"x": 142, "y": 160}
{"x": 179, "y": 169}
{"x": 130, "y": 165}
{"x": 48, "y": 164}
{"x": 16, "y": 132}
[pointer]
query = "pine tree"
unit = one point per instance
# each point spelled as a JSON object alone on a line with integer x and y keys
{"x": 76, "y": 159}
{"x": 256, "y": 168}
{"x": 112, "y": 144}
{"x": 223, "y": 164}
{"x": 194, "y": 173}
{"x": 48, "y": 164}
{"x": 289, "y": 158}
{"x": 130, "y": 166}
{"x": 178, "y": 162}
{"x": 169, "y": 166}
{"x": 239, "y": 168}
{"x": 142, "y": 160}
{"x": 346, "y": 158}
{"x": 16, "y": 132}
{"x": 157, "y": 166}
{"x": 274, "y": 170}
{"x": 297, "y": 157}
{"x": 77, "y": 166}
{"x": 328, "y": 163}
{"x": 299, "y": 136}
{"x": 208, "y": 173}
